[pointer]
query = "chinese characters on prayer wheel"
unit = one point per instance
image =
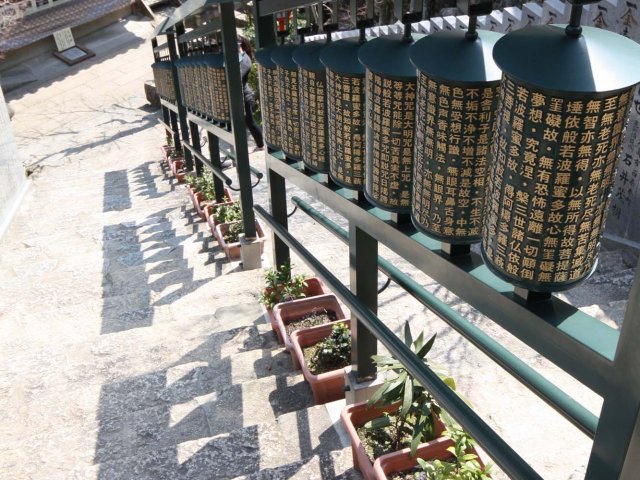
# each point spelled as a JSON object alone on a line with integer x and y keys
{"x": 269, "y": 97}
{"x": 217, "y": 79}
{"x": 313, "y": 105}
{"x": 457, "y": 94}
{"x": 289, "y": 106}
{"x": 346, "y": 107}
{"x": 390, "y": 121}
{"x": 554, "y": 154}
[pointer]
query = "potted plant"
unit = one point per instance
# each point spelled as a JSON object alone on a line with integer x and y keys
{"x": 167, "y": 148}
{"x": 400, "y": 414}
{"x": 323, "y": 352}
{"x": 228, "y": 235}
{"x": 281, "y": 286}
{"x": 450, "y": 457}
{"x": 304, "y": 313}
{"x": 176, "y": 162}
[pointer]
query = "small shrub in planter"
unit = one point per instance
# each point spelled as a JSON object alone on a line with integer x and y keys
{"x": 304, "y": 313}
{"x": 323, "y": 352}
{"x": 400, "y": 414}
{"x": 228, "y": 235}
{"x": 450, "y": 457}
{"x": 281, "y": 286}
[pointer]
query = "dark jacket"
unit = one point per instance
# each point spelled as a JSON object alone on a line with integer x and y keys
{"x": 245, "y": 68}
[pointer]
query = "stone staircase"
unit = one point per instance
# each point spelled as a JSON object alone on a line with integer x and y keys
{"x": 133, "y": 350}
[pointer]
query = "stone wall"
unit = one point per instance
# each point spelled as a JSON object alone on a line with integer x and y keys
{"x": 12, "y": 179}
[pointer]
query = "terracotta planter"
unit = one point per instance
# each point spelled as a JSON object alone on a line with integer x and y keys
{"x": 328, "y": 386}
{"x": 401, "y": 461}
{"x": 287, "y": 312}
{"x": 356, "y": 415}
{"x": 166, "y": 150}
{"x": 314, "y": 287}
{"x": 232, "y": 250}
{"x": 212, "y": 219}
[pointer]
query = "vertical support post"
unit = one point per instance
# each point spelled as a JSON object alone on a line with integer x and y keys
{"x": 265, "y": 27}
{"x": 236, "y": 104}
{"x": 214, "y": 155}
{"x": 363, "y": 273}
{"x": 177, "y": 141}
{"x": 195, "y": 141}
{"x": 182, "y": 112}
{"x": 278, "y": 194}
{"x": 616, "y": 446}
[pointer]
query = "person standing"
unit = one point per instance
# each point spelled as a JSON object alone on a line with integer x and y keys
{"x": 246, "y": 60}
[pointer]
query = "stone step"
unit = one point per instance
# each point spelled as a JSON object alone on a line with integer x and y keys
{"x": 83, "y": 360}
{"x": 301, "y": 444}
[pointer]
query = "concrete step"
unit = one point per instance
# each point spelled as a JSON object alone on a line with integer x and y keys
{"x": 302, "y": 444}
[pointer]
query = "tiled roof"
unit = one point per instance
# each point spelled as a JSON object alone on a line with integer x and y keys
{"x": 39, "y": 25}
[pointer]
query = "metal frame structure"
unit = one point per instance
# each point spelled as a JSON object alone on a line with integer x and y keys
{"x": 186, "y": 126}
{"x": 605, "y": 360}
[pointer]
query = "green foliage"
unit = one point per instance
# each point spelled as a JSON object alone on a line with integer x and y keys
{"x": 233, "y": 234}
{"x": 191, "y": 179}
{"x": 336, "y": 348}
{"x": 465, "y": 465}
{"x": 415, "y": 416}
{"x": 281, "y": 286}
{"x": 176, "y": 154}
{"x": 229, "y": 213}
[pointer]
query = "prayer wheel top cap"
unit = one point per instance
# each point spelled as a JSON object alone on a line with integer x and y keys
{"x": 389, "y": 56}
{"x": 450, "y": 56}
{"x": 213, "y": 60}
{"x": 546, "y": 57}
{"x": 341, "y": 56}
{"x": 282, "y": 56}
{"x": 263, "y": 57}
{"x": 307, "y": 55}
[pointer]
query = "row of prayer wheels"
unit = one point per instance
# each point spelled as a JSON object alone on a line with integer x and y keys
{"x": 163, "y": 79}
{"x": 203, "y": 85}
{"x": 511, "y": 141}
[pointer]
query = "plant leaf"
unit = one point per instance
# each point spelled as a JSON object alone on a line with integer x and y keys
{"x": 408, "y": 340}
{"x": 408, "y": 397}
{"x": 427, "y": 347}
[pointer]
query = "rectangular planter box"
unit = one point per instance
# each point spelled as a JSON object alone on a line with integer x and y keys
{"x": 232, "y": 250}
{"x": 328, "y": 386}
{"x": 287, "y": 312}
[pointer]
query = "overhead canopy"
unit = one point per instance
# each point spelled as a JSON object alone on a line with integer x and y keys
{"x": 161, "y": 29}
{"x": 191, "y": 8}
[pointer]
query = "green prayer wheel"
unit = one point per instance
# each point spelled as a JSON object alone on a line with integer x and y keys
{"x": 269, "y": 97}
{"x": 346, "y": 108}
{"x": 289, "y": 101}
{"x": 313, "y": 102}
{"x": 390, "y": 121}
{"x": 457, "y": 95}
{"x": 564, "y": 103}
{"x": 219, "y": 92}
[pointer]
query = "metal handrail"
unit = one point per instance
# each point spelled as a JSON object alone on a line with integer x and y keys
{"x": 507, "y": 458}
{"x": 215, "y": 169}
{"x": 567, "y": 406}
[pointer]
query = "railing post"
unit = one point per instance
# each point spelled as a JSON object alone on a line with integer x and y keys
{"x": 236, "y": 106}
{"x": 278, "y": 194}
{"x": 195, "y": 142}
{"x": 214, "y": 156}
{"x": 616, "y": 447}
{"x": 363, "y": 273}
{"x": 177, "y": 141}
{"x": 182, "y": 111}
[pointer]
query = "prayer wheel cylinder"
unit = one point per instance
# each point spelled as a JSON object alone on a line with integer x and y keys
{"x": 217, "y": 79}
{"x": 564, "y": 104}
{"x": 390, "y": 121}
{"x": 457, "y": 96}
{"x": 289, "y": 101}
{"x": 313, "y": 102}
{"x": 269, "y": 97}
{"x": 346, "y": 106}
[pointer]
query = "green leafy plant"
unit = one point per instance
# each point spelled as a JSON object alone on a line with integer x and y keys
{"x": 191, "y": 179}
{"x": 233, "y": 234}
{"x": 465, "y": 465}
{"x": 176, "y": 154}
{"x": 413, "y": 423}
{"x": 334, "y": 351}
{"x": 281, "y": 286}
{"x": 229, "y": 213}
